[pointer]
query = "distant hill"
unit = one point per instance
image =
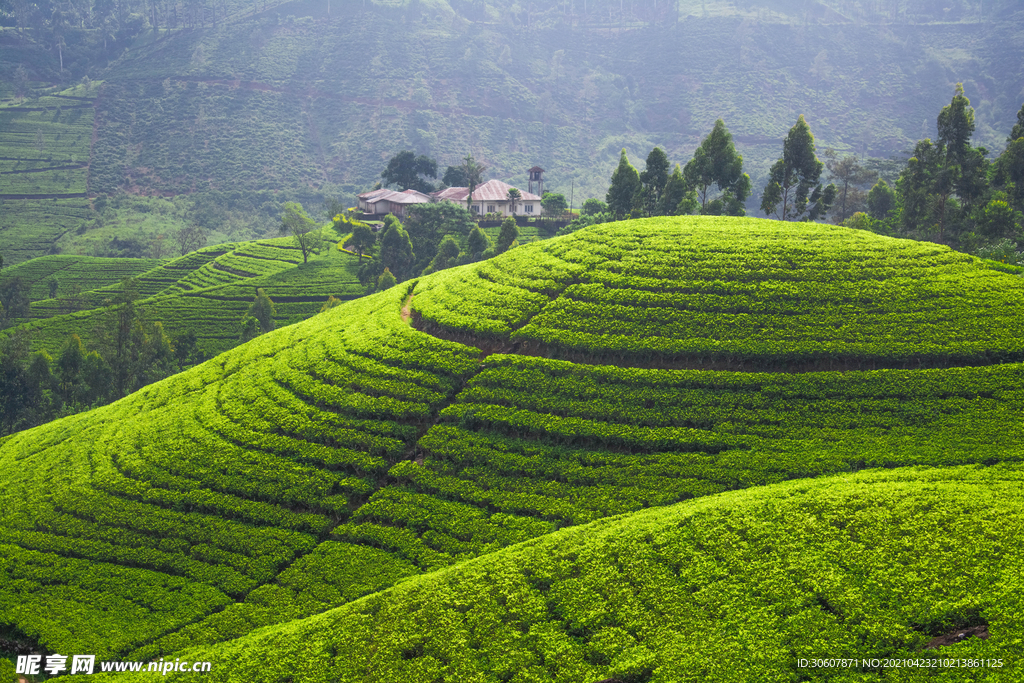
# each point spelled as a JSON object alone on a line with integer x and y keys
{"x": 490, "y": 404}
{"x": 255, "y": 106}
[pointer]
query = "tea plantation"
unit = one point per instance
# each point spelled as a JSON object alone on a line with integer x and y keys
{"x": 87, "y": 273}
{"x": 206, "y": 292}
{"x": 865, "y": 394}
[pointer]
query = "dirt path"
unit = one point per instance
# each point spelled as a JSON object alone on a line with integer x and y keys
{"x": 407, "y": 310}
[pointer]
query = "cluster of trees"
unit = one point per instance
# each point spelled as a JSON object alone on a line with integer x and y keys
{"x": 434, "y": 237}
{"x": 948, "y": 191}
{"x": 712, "y": 182}
{"x": 130, "y": 353}
{"x": 407, "y": 171}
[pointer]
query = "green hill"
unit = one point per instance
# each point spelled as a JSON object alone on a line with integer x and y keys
{"x": 333, "y": 458}
{"x": 845, "y": 573}
{"x": 83, "y": 272}
{"x": 206, "y": 293}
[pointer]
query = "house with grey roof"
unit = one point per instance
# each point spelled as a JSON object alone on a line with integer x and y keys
{"x": 384, "y": 201}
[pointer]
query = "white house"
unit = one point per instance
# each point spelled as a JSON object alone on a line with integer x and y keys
{"x": 491, "y": 197}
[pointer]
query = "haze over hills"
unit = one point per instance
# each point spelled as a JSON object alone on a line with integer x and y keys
{"x": 291, "y": 103}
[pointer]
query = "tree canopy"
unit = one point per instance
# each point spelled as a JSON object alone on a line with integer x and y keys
{"x": 396, "y": 252}
{"x": 308, "y": 233}
{"x": 406, "y": 170}
{"x": 945, "y": 180}
{"x": 653, "y": 180}
{"x": 793, "y": 187}
{"x": 553, "y": 204}
{"x": 715, "y": 163}
{"x": 427, "y": 224}
{"x": 624, "y": 187}
{"x": 850, "y": 176}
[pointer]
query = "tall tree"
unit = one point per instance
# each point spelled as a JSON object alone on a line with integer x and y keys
{"x": 849, "y": 176}
{"x": 716, "y": 164}
{"x": 945, "y": 182}
{"x": 916, "y": 185}
{"x": 675, "y": 191}
{"x": 881, "y": 200}
{"x": 396, "y": 254}
{"x": 308, "y": 233}
{"x": 14, "y": 299}
{"x": 1009, "y": 167}
{"x": 263, "y": 310}
{"x": 405, "y": 170}
{"x": 69, "y": 369}
{"x": 653, "y": 180}
{"x": 508, "y": 235}
{"x": 624, "y": 187}
{"x": 793, "y": 186}
{"x": 968, "y": 168}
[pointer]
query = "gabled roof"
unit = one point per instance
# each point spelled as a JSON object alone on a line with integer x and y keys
{"x": 373, "y": 193}
{"x": 454, "y": 194}
{"x": 403, "y": 197}
{"x": 491, "y": 191}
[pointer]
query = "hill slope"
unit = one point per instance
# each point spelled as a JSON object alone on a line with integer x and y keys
{"x": 331, "y": 458}
{"x": 205, "y": 293}
{"x": 846, "y": 574}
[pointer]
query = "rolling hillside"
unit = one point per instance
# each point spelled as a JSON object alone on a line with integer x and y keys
{"x": 467, "y": 411}
{"x": 208, "y": 294}
{"x": 86, "y": 273}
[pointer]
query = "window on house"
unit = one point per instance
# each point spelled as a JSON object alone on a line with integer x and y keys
{"x": 529, "y": 208}
{"x": 490, "y": 208}
{"x": 476, "y": 209}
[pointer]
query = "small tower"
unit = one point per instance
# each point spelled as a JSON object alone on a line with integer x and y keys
{"x": 536, "y": 175}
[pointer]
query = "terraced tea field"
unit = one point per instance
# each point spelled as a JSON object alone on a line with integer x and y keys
{"x": 411, "y": 438}
{"x": 206, "y": 292}
{"x": 45, "y": 145}
{"x": 87, "y": 273}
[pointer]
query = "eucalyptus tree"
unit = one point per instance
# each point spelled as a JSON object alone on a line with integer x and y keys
{"x": 794, "y": 186}
{"x": 624, "y": 187}
{"x": 944, "y": 181}
{"x": 653, "y": 180}
{"x": 716, "y": 164}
